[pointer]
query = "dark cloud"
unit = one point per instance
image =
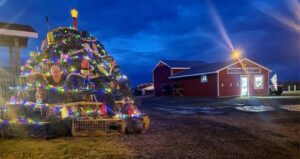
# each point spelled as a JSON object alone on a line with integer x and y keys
{"x": 140, "y": 33}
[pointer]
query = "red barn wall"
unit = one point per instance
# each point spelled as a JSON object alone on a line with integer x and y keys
{"x": 265, "y": 89}
{"x": 174, "y": 71}
{"x": 192, "y": 86}
{"x": 161, "y": 76}
{"x": 234, "y": 79}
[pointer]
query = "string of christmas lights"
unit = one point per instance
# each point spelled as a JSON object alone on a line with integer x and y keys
{"x": 72, "y": 64}
{"x": 21, "y": 120}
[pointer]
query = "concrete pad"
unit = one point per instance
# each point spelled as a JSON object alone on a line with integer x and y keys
{"x": 291, "y": 107}
{"x": 260, "y": 108}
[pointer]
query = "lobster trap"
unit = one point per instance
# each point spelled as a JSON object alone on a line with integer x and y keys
{"x": 109, "y": 126}
{"x": 97, "y": 127}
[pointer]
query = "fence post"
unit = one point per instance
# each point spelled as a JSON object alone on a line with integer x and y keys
{"x": 123, "y": 129}
{"x": 73, "y": 128}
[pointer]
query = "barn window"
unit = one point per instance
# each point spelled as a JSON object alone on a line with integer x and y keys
{"x": 203, "y": 79}
{"x": 258, "y": 82}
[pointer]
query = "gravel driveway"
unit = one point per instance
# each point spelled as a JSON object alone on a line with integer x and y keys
{"x": 183, "y": 127}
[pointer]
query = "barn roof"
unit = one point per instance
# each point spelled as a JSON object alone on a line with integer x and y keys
{"x": 182, "y": 64}
{"x": 203, "y": 69}
{"x": 210, "y": 68}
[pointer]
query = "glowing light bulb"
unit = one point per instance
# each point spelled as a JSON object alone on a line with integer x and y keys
{"x": 74, "y": 13}
{"x": 236, "y": 54}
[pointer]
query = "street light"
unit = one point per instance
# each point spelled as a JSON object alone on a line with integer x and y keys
{"x": 74, "y": 14}
{"x": 236, "y": 54}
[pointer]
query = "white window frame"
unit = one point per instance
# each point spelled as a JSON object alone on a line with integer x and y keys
{"x": 202, "y": 80}
{"x": 262, "y": 78}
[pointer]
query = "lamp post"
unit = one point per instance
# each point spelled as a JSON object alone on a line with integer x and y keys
{"x": 236, "y": 54}
{"x": 74, "y": 14}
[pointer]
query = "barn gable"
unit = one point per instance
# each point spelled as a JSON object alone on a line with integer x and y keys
{"x": 247, "y": 61}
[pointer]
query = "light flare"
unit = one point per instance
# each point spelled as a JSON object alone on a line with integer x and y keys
{"x": 236, "y": 54}
{"x": 218, "y": 22}
{"x": 294, "y": 8}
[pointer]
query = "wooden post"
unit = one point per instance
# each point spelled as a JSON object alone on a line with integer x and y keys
{"x": 123, "y": 128}
{"x": 73, "y": 127}
{"x": 11, "y": 56}
{"x": 12, "y": 64}
{"x": 18, "y": 58}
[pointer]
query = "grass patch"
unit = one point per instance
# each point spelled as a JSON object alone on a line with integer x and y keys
{"x": 100, "y": 147}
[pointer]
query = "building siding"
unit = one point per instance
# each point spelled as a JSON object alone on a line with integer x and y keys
{"x": 234, "y": 89}
{"x": 228, "y": 85}
{"x": 161, "y": 76}
{"x": 192, "y": 86}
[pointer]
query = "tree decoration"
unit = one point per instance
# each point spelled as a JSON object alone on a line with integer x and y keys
{"x": 73, "y": 77}
{"x": 85, "y": 66}
{"x": 95, "y": 49}
{"x": 102, "y": 69}
{"x": 74, "y": 14}
{"x": 56, "y": 74}
{"x": 103, "y": 110}
{"x": 50, "y": 38}
{"x": 44, "y": 45}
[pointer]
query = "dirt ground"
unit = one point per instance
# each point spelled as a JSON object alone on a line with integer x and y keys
{"x": 184, "y": 127}
{"x": 213, "y": 128}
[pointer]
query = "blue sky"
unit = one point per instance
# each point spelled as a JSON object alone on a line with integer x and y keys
{"x": 140, "y": 33}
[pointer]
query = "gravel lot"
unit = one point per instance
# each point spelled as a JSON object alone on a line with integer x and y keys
{"x": 184, "y": 127}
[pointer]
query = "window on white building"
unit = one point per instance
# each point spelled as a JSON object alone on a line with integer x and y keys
{"x": 258, "y": 82}
{"x": 203, "y": 79}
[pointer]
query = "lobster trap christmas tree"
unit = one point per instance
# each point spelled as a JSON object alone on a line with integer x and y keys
{"x": 73, "y": 76}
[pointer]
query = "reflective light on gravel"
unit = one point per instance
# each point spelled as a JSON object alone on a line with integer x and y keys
{"x": 191, "y": 110}
{"x": 291, "y": 107}
{"x": 239, "y": 104}
{"x": 260, "y": 108}
{"x": 178, "y": 111}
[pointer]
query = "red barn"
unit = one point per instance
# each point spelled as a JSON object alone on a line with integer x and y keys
{"x": 221, "y": 79}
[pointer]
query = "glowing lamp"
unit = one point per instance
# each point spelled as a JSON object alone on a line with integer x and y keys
{"x": 74, "y": 14}
{"x": 236, "y": 54}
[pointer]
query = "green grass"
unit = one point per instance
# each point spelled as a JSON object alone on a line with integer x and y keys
{"x": 98, "y": 147}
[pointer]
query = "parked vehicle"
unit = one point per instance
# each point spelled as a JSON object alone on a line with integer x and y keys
{"x": 273, "y": 91}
